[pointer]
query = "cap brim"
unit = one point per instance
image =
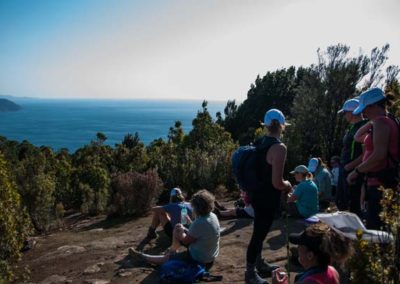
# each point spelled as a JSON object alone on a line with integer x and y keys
{"x": 292, "y": 172}
{"x": 359, "y": 110}
{"x": 296, "y": 238}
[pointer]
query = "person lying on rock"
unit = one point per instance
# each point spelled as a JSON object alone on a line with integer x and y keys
{"x": 201, "y": 239}
{"x": 245, "y": 212}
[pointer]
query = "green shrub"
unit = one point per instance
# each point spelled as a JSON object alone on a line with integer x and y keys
{"x": 14, "y": 225}
{"x": 134, "y": 193}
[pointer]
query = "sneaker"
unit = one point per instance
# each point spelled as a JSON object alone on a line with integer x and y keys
{"x": 265, "y": 268}
{"x": 251, "y": 277}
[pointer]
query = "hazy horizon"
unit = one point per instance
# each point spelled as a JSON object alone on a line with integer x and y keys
{"x": 202, "y": 50}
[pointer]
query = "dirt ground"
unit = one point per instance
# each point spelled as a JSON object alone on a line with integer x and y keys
{"x": 94, "y": 250}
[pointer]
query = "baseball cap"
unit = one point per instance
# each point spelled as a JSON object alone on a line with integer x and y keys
{"x": 349, "y": 105}
{"x": 302, "y": 169}
{"x": 274, "y": 114}
{"x": 313, "y": 165}
{"x": 175, "y": 191}
{"x": 310, "y": 237}
{"x": 369, "y": 97}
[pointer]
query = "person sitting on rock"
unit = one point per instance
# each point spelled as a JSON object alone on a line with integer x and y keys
{"x": 169, "y": 215}
{"x": 245, "y": 212}
{"x": 201, "y": 239}
{"x": 303, "y": 201}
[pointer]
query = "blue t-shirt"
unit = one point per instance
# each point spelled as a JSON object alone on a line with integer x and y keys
{"x": 322, "y": 179}
{"x": 307, "y": 198}
{"x": 174, "y": 211}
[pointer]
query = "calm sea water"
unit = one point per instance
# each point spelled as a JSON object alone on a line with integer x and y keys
{"x": 74, "y": 123}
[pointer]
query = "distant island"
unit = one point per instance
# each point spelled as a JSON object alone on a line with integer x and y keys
{"x": 7, "y": 105}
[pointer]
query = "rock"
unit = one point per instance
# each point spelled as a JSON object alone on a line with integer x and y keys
{"x": 96, "y": 230}
{"x": 67, "y": 250}
{"x": 106, "y": 243}
{"x": 53, "y": 279}
{"x": 96, "y": 281}
{"x": 93, "y": 268}
{"x": 124, "y": 273}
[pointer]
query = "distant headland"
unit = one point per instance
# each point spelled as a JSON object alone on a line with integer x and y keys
{"x": 7, "y": 105}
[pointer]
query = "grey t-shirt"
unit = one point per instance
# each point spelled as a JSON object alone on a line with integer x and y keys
{"x": 206, "y": 231}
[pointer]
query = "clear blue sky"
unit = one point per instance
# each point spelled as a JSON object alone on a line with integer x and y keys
{"x": 208, "y": 49}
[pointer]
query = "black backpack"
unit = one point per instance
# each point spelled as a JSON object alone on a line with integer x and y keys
{"x": 246, "y": 163}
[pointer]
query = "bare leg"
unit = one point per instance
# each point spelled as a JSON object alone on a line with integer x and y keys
{"x": 159, "y": 217}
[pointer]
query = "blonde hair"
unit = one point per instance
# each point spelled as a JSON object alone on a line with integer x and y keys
{"x": 203, "y": 202}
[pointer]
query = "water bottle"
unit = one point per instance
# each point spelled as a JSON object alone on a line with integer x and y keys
{"x": 184, "y": 214}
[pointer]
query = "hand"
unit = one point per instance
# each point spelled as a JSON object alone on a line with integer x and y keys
{"x": 351, "y": 178}
{"x": 279, "y": 276}
{"x": 347, "y": 168}
{"x": 288, "y": 186}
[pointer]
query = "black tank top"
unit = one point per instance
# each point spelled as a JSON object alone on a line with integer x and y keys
{"x": 266, "y": 192}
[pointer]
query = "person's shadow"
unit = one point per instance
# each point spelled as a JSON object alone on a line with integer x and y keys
{"x": 237, "y": 225}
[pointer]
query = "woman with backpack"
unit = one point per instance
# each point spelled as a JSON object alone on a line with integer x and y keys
{"x": 265, "y": 198}
{"x": 380, "y": 158}
{"x": 322, "y": 179}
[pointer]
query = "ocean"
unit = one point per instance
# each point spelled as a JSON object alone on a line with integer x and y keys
{"x": 72, "y": 124}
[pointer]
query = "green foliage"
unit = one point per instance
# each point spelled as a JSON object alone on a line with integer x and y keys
{"x": 374, "y": 263}
{"x": 14, "y": 224}
{"x": 93, "y": 183}
{"x": 274, "y": 90}
{"x": 134, "y": 193}
{"x": 130, "y": 155}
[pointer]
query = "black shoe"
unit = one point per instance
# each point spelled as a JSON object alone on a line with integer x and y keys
{"x": 251, "y": 277}
{"x": 265, "y": 268}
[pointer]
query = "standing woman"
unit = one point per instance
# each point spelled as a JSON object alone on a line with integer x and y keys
{"x": 381, "y": 152}
{"x": 351, "y": 156}
{"x": 266, "y": 198}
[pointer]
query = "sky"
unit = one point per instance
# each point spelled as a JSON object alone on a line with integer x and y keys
{"x": 176, "y": 49}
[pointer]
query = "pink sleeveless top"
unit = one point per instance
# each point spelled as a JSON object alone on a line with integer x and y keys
{"x": 330, "y": 276}
{"x": 393, "y": 148}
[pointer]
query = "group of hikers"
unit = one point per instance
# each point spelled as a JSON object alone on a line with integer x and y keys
{"x": 368, "y": 161}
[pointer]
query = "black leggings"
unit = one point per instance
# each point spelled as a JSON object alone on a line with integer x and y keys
{"x": 263, "y": 218}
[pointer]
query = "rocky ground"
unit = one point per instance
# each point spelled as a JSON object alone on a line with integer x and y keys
{"x": 95, "y": 250}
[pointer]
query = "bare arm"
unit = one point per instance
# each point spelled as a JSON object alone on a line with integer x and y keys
{"x": 353, "y": 164}
{"x": 381, "y": 145}
{"x": 362, "y": 132}
{"x": 183, "y": 236}
{"x": 276, "y": 157}
{"x": 292, "y": 198}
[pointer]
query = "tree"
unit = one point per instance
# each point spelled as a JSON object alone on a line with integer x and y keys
{"x": 14, "y": 224}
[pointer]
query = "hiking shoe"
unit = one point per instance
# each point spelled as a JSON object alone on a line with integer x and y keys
{"x": 133, "y": 253}
{"x": 265, "y": 268}
{"x": 251, "y": 277}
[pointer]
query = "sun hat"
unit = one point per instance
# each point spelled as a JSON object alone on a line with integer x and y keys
{"x": 369, "y": 97}
{"x": 349, "y": 105}
{"x": 301, "y": 169}
{"x": 274, "y": 114}
{"x": 313, "y": 165}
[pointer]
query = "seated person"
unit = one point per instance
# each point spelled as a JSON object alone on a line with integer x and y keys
{"x": 318, "y": 247}
{"x": 202, "y": 238}
{"x": 303, "y": 202}
{"x": 239, "y": 212}
{"x": 169, "y": 215}
{"x": 322, "y": 179}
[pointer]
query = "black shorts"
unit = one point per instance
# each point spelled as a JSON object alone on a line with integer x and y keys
{"x": 185, "y": 256}
{"x": 168, "y": 230}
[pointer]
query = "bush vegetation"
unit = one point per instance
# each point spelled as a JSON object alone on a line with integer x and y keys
{"x": 99, "y": 178}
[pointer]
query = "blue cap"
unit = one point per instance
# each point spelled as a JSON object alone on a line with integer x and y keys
{"x": 369, "y": 97}
{"x": 350, "y": 105}
{"x": 274, "y": 114}
{"x": 174, "y": 192}
{"x": 313, "y": 165}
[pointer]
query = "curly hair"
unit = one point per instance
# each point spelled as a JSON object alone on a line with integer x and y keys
{"x": 332, "y": 246}
{"x": 203, "y": 202}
